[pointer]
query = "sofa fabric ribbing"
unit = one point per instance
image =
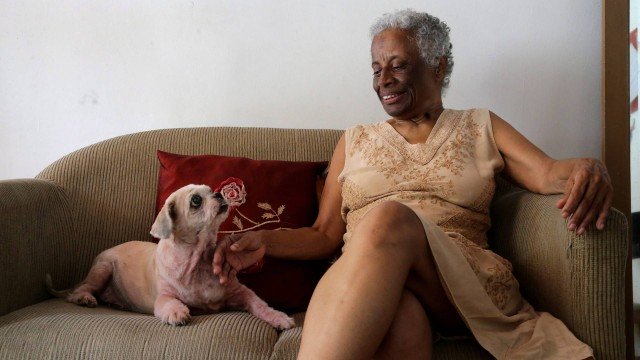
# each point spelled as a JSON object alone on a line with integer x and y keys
{"x": 104, "y": 195}
{"x": 35, "y": 229}
{"x": 579, "y": 279}
{"x": 55, "y": 329}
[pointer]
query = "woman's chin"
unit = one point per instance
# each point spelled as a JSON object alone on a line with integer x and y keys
{"x": 395, "y": 110}
{"x": 401, "y": 114}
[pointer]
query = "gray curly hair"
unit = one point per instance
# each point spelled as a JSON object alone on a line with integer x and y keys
{"x": 431, "y": 36}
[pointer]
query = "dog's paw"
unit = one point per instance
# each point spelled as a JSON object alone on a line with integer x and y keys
{"x": 279, "y": 320}
{"x": 82, "y": 298}
{"x": 176, "y": 314}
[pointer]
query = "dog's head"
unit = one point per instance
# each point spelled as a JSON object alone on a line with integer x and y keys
{"x": 190, "y": 211}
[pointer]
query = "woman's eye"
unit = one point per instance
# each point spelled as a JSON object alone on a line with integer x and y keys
{"x": 376, "y": 73}
{"x": 399, "y": 67}
{"x": 196, "y": 201}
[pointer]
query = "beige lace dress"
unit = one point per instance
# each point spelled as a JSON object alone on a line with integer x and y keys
{"x": 449, "y": 182}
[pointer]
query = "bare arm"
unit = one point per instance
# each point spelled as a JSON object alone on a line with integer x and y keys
{"x": 319, "y": 241}
{"x": 324, "y": 237}
{"x": 584, "y": 182}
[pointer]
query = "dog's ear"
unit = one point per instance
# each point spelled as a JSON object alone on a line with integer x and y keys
{"x": 163, "y": 225}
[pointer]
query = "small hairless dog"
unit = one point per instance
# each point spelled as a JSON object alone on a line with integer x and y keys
{"x": 176, "y": 275}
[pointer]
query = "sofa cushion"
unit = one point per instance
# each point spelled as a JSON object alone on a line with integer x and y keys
{"x": 55, "y": 329}
{"x": 288, "y": 344}
{"x": 279, "y": 195}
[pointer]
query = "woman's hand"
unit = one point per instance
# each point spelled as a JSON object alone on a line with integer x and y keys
{"x": 237, "y": 252}
{"x": 585, "y": 182}
{"x": 588, "y": 195}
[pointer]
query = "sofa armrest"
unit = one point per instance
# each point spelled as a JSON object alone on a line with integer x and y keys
{"x": 35, "y": 232}
{"x": 579, "y": 279}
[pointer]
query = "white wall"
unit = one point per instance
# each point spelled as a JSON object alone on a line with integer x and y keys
{"x": 76, "y": 72}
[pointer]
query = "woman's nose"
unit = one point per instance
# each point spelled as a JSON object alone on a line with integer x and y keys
{"x": 385, "y": 78}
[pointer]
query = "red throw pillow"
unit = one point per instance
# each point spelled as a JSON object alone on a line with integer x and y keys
{"x": 279, "y": 195}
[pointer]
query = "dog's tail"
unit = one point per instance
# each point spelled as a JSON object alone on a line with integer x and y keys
{"x": 57, "y": 293}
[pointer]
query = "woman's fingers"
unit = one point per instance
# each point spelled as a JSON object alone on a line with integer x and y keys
{"x": 565, "y": 196}
{"x": 576, "y": 188}
{"x": 235, "y": 253}
{"x": 593, "y": 211}
{"x": 249, "y": 242}
{"x": 561, "y": 202}
{"x": 219, "y": 258}
{"x": 586, "y": 203}
{"x": 604, "y": 211}
{"x": 236, "y": 261}
{"x": 224, "y": 276}
{"x": 587, "y": 198}
{"x": 242, "y": 244}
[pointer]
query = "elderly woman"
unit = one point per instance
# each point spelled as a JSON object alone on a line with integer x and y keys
{"x": 408, "y": 201}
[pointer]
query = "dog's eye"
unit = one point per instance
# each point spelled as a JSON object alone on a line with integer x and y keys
{"x": 196, "y": 201}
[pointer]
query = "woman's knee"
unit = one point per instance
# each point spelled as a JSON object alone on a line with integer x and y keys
{"x": 391, "y": 223}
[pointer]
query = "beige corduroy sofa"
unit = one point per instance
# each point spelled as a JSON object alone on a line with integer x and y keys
{"x": 104, "y": 194}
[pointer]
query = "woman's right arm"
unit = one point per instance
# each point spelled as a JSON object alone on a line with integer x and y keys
{"x": 324, "y": 237}
{"x": 319, "y": 241}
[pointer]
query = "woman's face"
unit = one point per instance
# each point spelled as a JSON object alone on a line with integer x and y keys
{"x": 406, "y": 86}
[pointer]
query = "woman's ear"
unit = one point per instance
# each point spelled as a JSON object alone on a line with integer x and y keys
{"x": 441, "y": 69}
{"x": 163, "y": 225}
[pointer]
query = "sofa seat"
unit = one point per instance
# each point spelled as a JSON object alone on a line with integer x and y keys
{"x": 55, "y": 329}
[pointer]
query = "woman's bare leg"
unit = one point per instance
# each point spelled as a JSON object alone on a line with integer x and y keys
{"x": 409, "y": 336}
{"x": 355, "y": 302}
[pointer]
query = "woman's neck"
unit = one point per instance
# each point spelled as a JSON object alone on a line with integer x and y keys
{"x": 431, "y": 115}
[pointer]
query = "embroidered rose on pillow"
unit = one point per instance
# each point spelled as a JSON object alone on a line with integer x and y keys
{"x": 235, "y": 194}
{"x": 233, "y": 191}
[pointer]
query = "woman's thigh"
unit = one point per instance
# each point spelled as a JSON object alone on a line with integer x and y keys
{"x": 396, "y": 224}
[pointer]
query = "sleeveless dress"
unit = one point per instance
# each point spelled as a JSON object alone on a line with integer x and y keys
{"x": 449, "y": 182}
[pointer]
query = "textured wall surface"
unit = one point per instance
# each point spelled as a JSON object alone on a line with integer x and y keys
{"x": 75, "y": 72}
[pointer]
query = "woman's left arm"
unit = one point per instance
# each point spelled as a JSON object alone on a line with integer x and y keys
{"x": 584, "y": 183}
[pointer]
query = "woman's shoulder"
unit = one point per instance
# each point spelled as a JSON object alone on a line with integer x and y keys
{"x": 364, "y": 127}
{"x": 471, "y": 111}
{"x": 360, "y": 132}
{"x": 480, "y": 116}
{"x": 369, "y": 125}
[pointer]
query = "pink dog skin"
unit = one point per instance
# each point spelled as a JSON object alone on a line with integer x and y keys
{"x": 176, "y": 275}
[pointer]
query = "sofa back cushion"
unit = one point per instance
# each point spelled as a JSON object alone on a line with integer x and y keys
{"x": 111, "y": 185}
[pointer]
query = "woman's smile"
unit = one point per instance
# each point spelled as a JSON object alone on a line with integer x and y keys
{"x": 393, "y": 98}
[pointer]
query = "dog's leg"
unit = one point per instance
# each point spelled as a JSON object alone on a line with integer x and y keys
{"x": 171, "y": 310}
{"x": 245, "y": 299}
{"x": 97, "y": 279}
